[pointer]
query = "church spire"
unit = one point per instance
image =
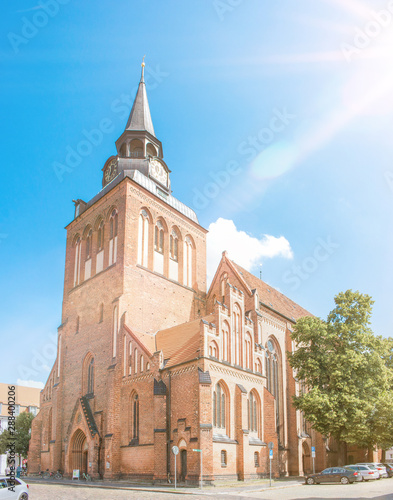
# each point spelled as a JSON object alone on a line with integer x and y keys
{"x": 140, "y": 118}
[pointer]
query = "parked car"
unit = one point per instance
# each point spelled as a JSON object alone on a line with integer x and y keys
{"x": 380, "y": 468}
{"x": 21, "y": 489}
{"x": 341, "y": 475}
{"x": 389, "y": 469}
{"x": 365, "y": 472}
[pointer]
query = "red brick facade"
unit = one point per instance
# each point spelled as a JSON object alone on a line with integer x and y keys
{"x": 148, "y": 360}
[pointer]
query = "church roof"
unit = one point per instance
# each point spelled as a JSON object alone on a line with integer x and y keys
{"x": 140, "y": 117}
{"x": 180, "y": 343}
{"x": 271, "y": 297}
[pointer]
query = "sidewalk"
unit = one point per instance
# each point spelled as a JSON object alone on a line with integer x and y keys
{"x": 222, "y": 487}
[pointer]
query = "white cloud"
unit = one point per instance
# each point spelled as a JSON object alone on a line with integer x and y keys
{"x": 30, "y": 383}
{"x": 245, "y": 250}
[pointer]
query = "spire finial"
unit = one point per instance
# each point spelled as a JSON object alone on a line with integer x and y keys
{"x": 143, "y": 70}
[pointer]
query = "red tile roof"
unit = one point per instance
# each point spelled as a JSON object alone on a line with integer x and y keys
{"x": 271, "y": 297}
{"x": 181, "y": 343}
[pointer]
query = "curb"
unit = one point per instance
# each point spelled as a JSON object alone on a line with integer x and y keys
{"x": 179, "y": 491}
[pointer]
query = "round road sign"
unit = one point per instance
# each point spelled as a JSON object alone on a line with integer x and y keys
{"x": 175, "y": 450}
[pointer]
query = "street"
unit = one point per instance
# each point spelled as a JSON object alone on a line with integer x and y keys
{"x": 378, "y": 490}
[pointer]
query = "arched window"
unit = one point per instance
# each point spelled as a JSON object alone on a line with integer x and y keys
{"x": 225, "y": 342}
{"x": 187, "y": 262}
{"x": 273, "y": 376}
{"x": 143, "y": 239}
{"x": 248, "y": 349}
{"x": 135, "y": 418}
{"x": 101, "y": 314}
{"x": 135, "y": 361}
{"x": 220, "y": 407}
{"x": 237, "y": 328}
{"x": 123, "y": 150}
{"x": 258, "y": 366}
{"x": 77, "y": 266}
{"x": 142, "y": 363}
{"x": 90, "y": 377}
{"x": 89, "y": 238}
{"x": 159, "y": 248}
{"x": 130, "y": 359}
{"x": 151, "y": 150}
{"x": 115, "y": 328}
{"x": 213, "y": 349}
{"x": 159, "y": 237}
{"x": 253, "y": 413}
{"x": 100, "y": 237}
{"x": 174, "y": 240}
{"x": 136, "y": 148}
{"x": 256, "y": 459}
{"x": 224, "y": 461}
{"x": 147, "y": 367}
{"x": 100, "y": 248}
{"x": 174, "y": 246}
{"x": 113, "y": 223}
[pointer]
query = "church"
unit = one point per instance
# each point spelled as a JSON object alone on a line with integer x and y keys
{"x": 149, "y": 361}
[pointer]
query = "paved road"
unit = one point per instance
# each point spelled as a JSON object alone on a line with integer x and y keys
{"x": 376, "y": 490}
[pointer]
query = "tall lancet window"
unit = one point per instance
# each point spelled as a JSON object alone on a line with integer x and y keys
{"x": 159, "y": 248}
{"x": 237, "y": 329}
{"x": 143, "y": 239}
{"x": 89, "y": 239}
{"x": 100, "y": 247}
{"x": 187, "y": 261}
{"x": 174, "y": 246}
{"x": 90, "y": 377}
{"x": 77, "y": 265}
{"x": 273, "y": 375}
{"x": 113, "y": 237}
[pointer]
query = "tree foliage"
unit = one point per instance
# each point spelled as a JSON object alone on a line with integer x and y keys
{"x": 347, "y": 372}
{"x": 21, "y": 437}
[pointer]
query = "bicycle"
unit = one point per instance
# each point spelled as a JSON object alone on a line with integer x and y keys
{"x": 58, "y": 474}
{"x": 86, "y": 477}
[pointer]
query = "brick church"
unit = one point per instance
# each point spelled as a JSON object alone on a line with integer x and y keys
{"x": 148, "y": 359}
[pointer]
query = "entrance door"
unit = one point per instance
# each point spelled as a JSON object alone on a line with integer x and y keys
{"x": 183, "y": 470}
{"x": 79, "y": 452}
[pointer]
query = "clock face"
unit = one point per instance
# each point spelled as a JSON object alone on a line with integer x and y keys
{"x": 158, "y": 172}
{"x": 111, "y": 171}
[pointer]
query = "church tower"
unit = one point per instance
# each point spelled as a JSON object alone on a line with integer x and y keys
{"x": 135, "y": 264}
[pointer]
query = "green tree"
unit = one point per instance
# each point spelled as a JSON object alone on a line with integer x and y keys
{"x": 21, "y": 436}
{"x": 347, "y": 372}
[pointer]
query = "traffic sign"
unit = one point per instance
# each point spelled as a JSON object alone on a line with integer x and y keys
{"x": 175, "y": 450}
{"x": 270, "y": 445}
{"x": 313, "y": 451}
{"x": 271, "y": 454}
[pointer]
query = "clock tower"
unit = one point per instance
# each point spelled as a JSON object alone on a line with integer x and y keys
{"x": 138, "y": 148}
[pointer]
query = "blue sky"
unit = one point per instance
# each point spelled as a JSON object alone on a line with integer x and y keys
{"x": 275, "y": 118}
